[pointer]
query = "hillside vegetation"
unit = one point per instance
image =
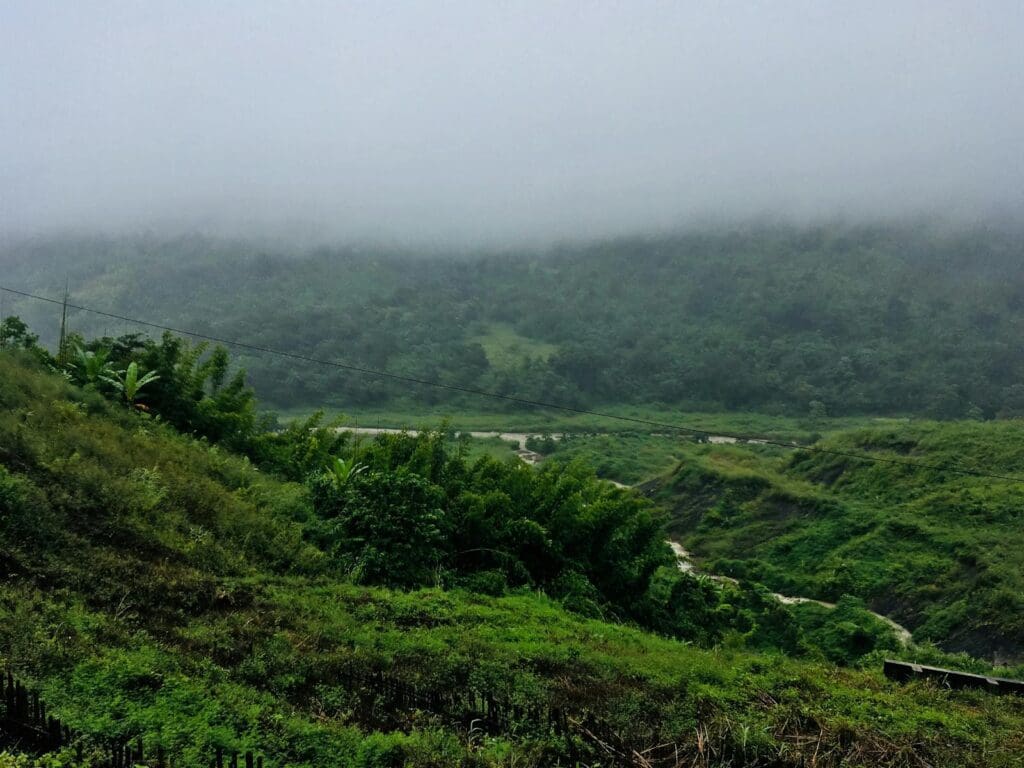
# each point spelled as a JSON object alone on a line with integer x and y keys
{"x": 936, "y": 550}
{"x": 160, "y": 584}
{"x": 830, "y": 319}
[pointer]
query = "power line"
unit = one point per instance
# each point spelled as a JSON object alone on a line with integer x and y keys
{"x": 518, "y": 400}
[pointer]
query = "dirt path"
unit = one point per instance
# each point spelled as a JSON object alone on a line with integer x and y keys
{"x": 519, "y": 438}
{"x": 686, "y": 564}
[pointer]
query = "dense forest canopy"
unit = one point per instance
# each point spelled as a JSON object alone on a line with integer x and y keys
{"x": 833, "y": 319}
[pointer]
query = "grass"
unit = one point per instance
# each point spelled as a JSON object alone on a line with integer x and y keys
{"x": 156, "y": 585}
{"x": 475, "y": 447}
{"x": 935, "y": 550}
{"x": 508, "y": 350}
{"x": 627, "y": 457}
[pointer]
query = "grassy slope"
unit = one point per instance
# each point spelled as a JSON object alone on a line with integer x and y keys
{"x": 938, "y": 551}
{"x": 157, "y": 585}
{"x": 507, "y": 349}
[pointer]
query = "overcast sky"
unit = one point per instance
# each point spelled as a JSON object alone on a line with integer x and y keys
{"x": 475, "y": 119}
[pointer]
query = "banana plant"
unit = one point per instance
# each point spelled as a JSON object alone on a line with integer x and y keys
{"x": 129, "y": 383}
{"x": 92, "y": 367}
{"x": 342, "y": 470}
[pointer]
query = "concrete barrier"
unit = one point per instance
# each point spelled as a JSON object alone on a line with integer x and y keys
{"x": 905, "y": 671}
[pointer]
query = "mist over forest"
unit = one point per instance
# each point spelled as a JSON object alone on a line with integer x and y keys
{"x": 497, "y": 124}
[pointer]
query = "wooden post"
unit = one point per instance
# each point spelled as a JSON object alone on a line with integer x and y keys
{"x": 62, "y": 357}
{"x": 10, "y": 701}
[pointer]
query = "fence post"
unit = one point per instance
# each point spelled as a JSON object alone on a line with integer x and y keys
{"x": 9, "y": 696}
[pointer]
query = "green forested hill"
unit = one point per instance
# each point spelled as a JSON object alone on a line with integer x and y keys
{"x": 838, "y": 319}
{"x": 938, "y": 551}
{"x": 158, "y": 585}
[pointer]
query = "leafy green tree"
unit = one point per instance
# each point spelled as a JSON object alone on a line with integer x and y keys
{"x": 385, "y": 528}
{"x": 14, "y": 333}
{"x": 301, "y": 448}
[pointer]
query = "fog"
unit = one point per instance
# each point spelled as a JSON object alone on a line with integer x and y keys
{"x": 485, "y": 121}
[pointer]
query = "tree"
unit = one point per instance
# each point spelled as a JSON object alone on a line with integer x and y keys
{"x": 384, "y": 527}
{"x": 14, "y": 333}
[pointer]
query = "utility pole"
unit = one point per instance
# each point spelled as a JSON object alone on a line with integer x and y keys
{"x": 62, "y": 344}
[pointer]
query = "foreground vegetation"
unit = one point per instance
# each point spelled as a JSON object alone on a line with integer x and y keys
{"x": 178, "y": 585}
{"x": 893, "y": 319}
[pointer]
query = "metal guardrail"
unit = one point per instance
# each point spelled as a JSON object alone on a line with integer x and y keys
{"x": 905, "y": 671}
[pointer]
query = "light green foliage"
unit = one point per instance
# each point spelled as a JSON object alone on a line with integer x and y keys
{"x": 626, "y": 457}
{"x": 92, "y": 367}
{"x": 935, "y": 550}
{"x": 508, "y": 350}
{"x": 129, "y": 383}
{"x": 342, "y": 471}
{"x": 160, "y": 585}
{"x": 63, "y": 759}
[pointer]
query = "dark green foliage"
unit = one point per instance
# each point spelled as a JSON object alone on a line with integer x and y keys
{"x": 299, "y": 450}
{"x": 846, "y": 633}
{"x": 420, "y": 515}
{"x": 828, "y": 319}
{"x": 542, "y": 444}
{"x": 384, "y": 527}
{"x": 14, "y": 334}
